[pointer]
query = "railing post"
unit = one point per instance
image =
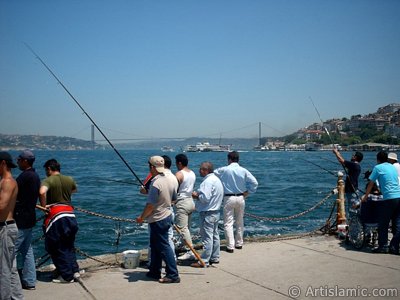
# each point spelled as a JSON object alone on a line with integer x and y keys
{"x": 341, "y": 211}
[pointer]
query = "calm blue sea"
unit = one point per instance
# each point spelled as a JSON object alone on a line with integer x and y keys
{"x": 288, "y": 184}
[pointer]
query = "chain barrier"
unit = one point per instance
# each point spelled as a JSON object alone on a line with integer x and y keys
{"x": 84, "y": 254}
{"x": 277, "y": 219}
{"x": 322, "y": 229}
{"x": 104, "y": 216}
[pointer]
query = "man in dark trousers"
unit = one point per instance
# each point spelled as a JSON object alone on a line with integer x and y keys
{"x": 60, "y": 225}
{"x": 163, "y": 190}
{"x": 25, "y": 216}
{"x": 353, "y": 170}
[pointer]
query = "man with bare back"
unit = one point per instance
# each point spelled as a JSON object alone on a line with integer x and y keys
{"x": 10, "y": 284}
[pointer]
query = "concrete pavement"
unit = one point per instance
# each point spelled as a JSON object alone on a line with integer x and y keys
{"x": 309, "y": 267}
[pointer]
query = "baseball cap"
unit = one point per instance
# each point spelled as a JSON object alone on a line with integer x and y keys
{"x": 27, "y": 154}
{"x": 7, "y": 158}
{"x": 158, "y": 163}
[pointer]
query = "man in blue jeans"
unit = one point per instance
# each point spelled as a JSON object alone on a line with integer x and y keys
{"x": 25, "y": 216}
{"x": 209, "y": 199}
{"x": 163, "y": 190}
{"x": 389, "y": 207}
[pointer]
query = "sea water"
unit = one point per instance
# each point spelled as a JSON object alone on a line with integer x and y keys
{"x": 289, "y": 183}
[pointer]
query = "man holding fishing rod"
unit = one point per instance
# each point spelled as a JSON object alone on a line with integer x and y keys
{"x": 157, "y": 211}
{"x": 353, "y": 171}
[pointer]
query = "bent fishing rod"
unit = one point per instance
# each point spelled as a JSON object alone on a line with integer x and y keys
{"x": 86, "y": 114}
{"x": 333, "y": 146}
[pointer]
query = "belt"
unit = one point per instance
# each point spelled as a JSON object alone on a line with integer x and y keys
{"x": 7, "y": 222}
{"x": 227, "y": 195}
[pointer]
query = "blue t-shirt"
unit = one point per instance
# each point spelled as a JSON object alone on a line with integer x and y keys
{"x": 387, "y": 176}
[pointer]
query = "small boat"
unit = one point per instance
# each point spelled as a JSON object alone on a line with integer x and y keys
{"x": 261, "y": 148}
{"x": 167, "y": 149}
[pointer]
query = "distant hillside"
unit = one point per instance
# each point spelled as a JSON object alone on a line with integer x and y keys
{"x": 383, "y": 126}
{"x": 37, "y": 142}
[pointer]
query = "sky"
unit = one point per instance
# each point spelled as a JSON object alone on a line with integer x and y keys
{"x": 177, "y": 69}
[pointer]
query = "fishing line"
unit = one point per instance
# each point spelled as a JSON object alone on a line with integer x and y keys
{"x": 118, "y": 181}
{"x": 87, "y": 115}
{"x": 330, "y": 172}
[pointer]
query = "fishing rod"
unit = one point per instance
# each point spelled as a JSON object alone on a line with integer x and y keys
{"x": 86, "y": 114}
{"x": 322, "y": 122}
{"x": 333, "y": 146}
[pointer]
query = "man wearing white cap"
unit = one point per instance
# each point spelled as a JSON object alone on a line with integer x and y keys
{"x": 392, "y": 158}
{"x": 158, "y": 213}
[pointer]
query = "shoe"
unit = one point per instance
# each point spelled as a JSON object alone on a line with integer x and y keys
{"x": 29, "y": 287}
{"x": 197, "y": 265}
{"x": 78, "y": 274}
{"x": 392, "y": 250}
{"x": 238, "y": 247}
{"x": 169, "y": 280}
{"x": 380, "y": 250}
{"x": 187, "y": 256}
{"x": 62, "y": 280}
{"x": 153, "y": 276}
{"x": 216, "y": 262}
{"x": 229, "y": 250}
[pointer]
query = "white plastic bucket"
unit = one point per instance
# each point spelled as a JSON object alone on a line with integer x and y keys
{"x": 131, "y": 259}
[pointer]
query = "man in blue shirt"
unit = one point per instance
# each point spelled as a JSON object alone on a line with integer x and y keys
{"x": 389, "y": 207}
{"x": 238, "y": 183}
{"x": 209, "y": 199}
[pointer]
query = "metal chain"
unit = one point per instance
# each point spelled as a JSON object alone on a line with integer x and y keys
{"x": 79, "y": 251}
{"x": 334, "y": 191}
{"x": 104, "y": 216}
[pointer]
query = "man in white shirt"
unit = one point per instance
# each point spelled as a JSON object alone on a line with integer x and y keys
{"x": 209, "y": 199}
{"x": 184, "y": 206}
{"x": 238, "y": 182}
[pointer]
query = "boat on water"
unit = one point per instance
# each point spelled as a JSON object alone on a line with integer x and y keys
{"x": 206, "y": 147}
{"x": 167, "y": 149}
{"x": 261, "y": 148}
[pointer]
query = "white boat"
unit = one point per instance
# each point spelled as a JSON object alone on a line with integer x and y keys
{"x": 261, "y": 148}
{"x": 207, "y": 147}
{"x": 167, "y": 149}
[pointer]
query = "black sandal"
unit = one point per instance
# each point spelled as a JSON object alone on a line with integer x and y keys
{"x": 169, "y": 280}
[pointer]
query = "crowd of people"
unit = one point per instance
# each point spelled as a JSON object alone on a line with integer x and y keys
{"x": 227, "y": 186}
{"x": 381, "y": 198}
{"x": 18, "y": 203}
{"x": 171, "y": 201}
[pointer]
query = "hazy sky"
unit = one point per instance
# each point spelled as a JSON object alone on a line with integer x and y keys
{"x": 194, "y": 68}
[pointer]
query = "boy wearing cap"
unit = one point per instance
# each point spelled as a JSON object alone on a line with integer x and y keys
{"x": 158, "y": 213}
{"x": 25, "y": 216}
{"x": 9, "y": 278}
